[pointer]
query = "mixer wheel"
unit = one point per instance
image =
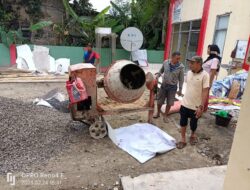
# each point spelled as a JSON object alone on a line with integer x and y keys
{"x": 98, "y": 129}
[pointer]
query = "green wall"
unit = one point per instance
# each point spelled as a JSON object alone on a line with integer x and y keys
{"x": 155, "y": 56}
{"x": 75, "y": 54}
{"x": 4, "y": 55}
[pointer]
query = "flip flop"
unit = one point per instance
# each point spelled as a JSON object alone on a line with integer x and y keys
{"x": 165, "y": 119}
{"x": 193, "y": 140}
{"x": 156, "y": 116}
{"x": 180, "y": 145}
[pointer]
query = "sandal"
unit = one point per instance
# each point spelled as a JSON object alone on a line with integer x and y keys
{"x": 156, "y": 116}
{"x": 193, "y": 140}
{"x": 165, "y": 119}
{"x": 180, "y": 145}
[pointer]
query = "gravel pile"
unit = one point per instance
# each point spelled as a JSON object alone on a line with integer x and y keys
{"x": 30, "y": 135}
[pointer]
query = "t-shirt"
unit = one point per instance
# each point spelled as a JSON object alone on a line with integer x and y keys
{"x": 173, "y": 73}
{"x": 211, "y": 64}
{"x": 89, "y": 57}
{"x": 196, "y": 82}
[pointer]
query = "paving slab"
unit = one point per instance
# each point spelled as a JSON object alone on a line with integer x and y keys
{"x": 209, "y": 178}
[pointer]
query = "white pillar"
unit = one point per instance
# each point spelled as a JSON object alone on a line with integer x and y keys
{"x": 238, "y": 171}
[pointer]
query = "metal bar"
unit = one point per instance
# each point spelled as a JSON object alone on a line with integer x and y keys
{"x": 188, "y": 44}
{"x": 124, "y": 111}
{"x": 151, "y": 105}
{"x": 179, "y": 38}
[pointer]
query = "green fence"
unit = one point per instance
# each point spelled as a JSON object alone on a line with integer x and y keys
{"x": 75, "y": 54}
{"x": 4, "y": 55}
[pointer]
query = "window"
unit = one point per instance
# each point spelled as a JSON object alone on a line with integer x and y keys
{"x": 185, "y": 38}
{"x": 221, "y": 31}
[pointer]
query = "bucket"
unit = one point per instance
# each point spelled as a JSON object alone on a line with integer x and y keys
{"x": 223, "y": 121}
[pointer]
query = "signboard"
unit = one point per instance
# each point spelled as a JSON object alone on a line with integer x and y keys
{"x": 177, "y": 11}
{"x": 241, "y": 49}
{"x": 247, "y": 56}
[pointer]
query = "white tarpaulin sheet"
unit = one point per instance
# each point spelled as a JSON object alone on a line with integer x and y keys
{"x": 142, "y": 140}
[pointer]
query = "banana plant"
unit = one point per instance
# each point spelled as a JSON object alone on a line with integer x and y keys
{"x": 40, "y": 25}
{"x": 148, "y": 16}
{"x": 10, "y": 37}
{"x": 16, "y": 36}
{"x": 85, "y": 26}
{"x": 76, "y": 19}
{"x": 123, "y": 17}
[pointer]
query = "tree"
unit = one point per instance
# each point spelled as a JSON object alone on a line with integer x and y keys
{"x": 8, "y": 18}
{"x": 82, "y": 27}
{"x": 8, "y": 37}
{"x": 83, "y": 7}
{"x": 122, "y": 8}
{"x": 33, "y": 9}
{"x": 149, "y": 16}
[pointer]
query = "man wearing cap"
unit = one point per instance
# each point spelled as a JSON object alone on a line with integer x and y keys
{"x": 194, "y": 99}
{"x": 173, "y": 74}
{"x": 90, "y": 56}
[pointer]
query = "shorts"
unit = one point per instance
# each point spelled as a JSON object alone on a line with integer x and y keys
{"x": 188, "y": 113}
{"x": 167, "y": 94}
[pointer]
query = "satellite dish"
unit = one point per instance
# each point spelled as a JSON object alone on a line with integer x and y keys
{"x": 131, "y": 39}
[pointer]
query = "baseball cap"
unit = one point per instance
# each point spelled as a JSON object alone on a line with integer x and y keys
{"x": 196, "y": 59}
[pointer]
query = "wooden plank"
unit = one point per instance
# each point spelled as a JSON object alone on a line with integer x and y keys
{"x": 32, "y": 78}
{"x": 13, "y": 70}
{"x": 33, "y": 81}
{"x": 38, "y": 76}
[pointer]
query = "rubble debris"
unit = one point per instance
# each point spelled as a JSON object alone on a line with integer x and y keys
{"x": 30, "y": 135}
{"x": 221, "y": 88}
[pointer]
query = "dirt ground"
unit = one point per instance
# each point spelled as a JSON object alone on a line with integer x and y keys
{"x": 98, "y": 164}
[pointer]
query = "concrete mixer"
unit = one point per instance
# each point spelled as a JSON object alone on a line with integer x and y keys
{"x": 124, "y": 83}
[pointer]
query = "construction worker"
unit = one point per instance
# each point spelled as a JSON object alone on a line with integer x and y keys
{"x": 173, "y": 73}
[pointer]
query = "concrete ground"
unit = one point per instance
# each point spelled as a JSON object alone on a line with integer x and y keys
{"x": 99, "y": 164}
{"x": 210, "y": 178}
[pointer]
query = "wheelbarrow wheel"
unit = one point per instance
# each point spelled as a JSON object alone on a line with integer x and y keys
{"x": 98, "y": 129}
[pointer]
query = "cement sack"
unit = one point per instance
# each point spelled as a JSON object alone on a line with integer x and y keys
{"x": 62, "y": 65}
{"x": 24, "y": 52}
{"x": 41, "y": 58}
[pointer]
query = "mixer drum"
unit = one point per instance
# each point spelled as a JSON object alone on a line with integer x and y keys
{"x": 124, "y": 81}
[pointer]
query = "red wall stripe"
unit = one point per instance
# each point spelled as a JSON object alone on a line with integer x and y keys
{"x": 12, "y": 54}
{"x": 245, "y": 65}
{"x": 169, "y": 30}
{"x": 203, "y": 29}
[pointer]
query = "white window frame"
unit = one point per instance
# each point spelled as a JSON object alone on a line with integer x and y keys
{"x": 221, "y": 29}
